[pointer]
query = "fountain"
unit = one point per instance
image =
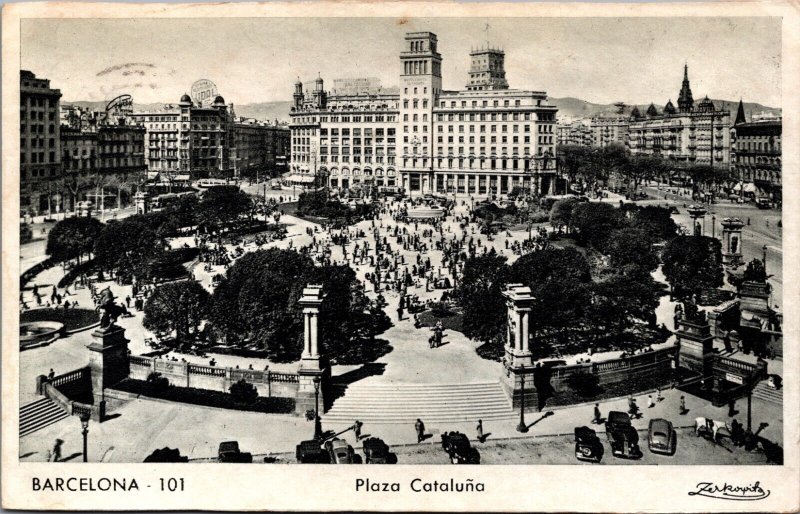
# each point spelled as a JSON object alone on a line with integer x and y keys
{"x": 38, "y": 333}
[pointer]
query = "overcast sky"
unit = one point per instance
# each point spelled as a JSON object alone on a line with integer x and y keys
{"x": 635, "y": 60}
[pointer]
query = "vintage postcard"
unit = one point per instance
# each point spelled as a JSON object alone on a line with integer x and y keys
{"x": 245, "y": 244}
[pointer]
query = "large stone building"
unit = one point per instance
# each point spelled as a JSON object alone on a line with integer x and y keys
{"x": 608, "y": 131}
{"x": 756, "y": 155}
{"x": 575, "y": 133}
{"x": 40, "y": 144}
{"x": 483, "y": 140}
{"x": 187, "y": 138}
{"x": 687, "y": 134}
{"x": 259, "y": 148}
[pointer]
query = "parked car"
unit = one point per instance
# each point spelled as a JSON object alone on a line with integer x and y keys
{"x": 661, "y": 437}
{"x": 340, "y": 452}
{"x": 376, "y": 451}
{"x": 623, "y": 438}
{"x": 587, "y": 445}
{"x": 763, "y": 203}
{"x": 229, "y": 452}
{"x": 311, "y": 452}
{"x": 457, "y": 447}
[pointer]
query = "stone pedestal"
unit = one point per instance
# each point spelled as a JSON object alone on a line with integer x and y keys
{"x": 732, "y": 241}
{"x": 696, "y": 349}
{"x": 108, "y": 360}
{"x": 514, "y": 387}
{"x": 142, "y": 201}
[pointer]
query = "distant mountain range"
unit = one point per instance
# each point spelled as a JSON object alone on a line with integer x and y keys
{"x": 577, "y": 108}
{"x": 567, "y": 107}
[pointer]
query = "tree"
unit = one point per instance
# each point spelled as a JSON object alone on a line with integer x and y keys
{"x": 630, "y": 246}
{"x": 243, "y": 392}
{"x": 72, "y": 238}
{"x": 656, "y": 221}
{"x": 559, "y": 280}
{"x": 222, "y": 206}
{"x": 479, "y": 294}
{"x": 592, "y": 222}
{"x": 177, "y": 307}
{"x": 128, "y": 247}
{"x": 622, "y": 299}
{"x": 692, "y": 264}
{"x": 561, "y": 213}
{"x": 257, "y": 301}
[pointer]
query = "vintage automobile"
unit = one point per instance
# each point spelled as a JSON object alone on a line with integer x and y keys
{"x": 661, "y": 437}
{"x": 457, "y": 447}
{"x": 340, "y": 452}
{"x": 587, "y": 445}
{"x": 376, "y": 451}
{"x": 229, "y": 452}
{"x": 311, "y": 452}
{"x": 623, "y": 438}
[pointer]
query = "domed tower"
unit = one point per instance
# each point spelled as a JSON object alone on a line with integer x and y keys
{"x": 320, "y": 97}
{"x": 186, "y": 100}
{"x": 298, "y": 94}
{"x": 669, "y": 108}
{"x": 635, "y": 114}
{"x": 652, "y": 111}
{"x": 706, "y": 105}
{"x": 218, "y": 102}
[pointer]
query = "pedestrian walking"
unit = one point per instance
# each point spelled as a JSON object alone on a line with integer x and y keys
{"x": 128, "y": 301}
{"x": 597, "y": 415}
{"x": 682, "y": 410}
{"x": 420, "y": 427}
{"x": 658, "y": 395}
{"x": 479, "y": 429}
{"x": 55, "y": 453}
{"x": 357, "y": 430}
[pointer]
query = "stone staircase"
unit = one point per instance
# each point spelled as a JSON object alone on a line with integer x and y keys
{"x": 404, "y": 403}
{"x": 39, "y": 414}
{"x": 767, "y": 393}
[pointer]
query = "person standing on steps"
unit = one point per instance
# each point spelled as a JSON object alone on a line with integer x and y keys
{"x": 357, "y": 430}
{"x": 479, "y": 428}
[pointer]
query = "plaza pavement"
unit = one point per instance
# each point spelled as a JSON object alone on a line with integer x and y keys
{"x": 142, "y": 426}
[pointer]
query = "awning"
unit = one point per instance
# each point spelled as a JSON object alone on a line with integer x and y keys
{"x": 303, "y": 179}
{"x": 152, "y": 175}
{"x": 748, "y": 188}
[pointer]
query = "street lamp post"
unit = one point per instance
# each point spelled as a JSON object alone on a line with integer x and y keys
{"x": 317, "y": 421}
{"x": 522, "y": 427}
{"x": 713, "y": 225}
{"x": 85, "y": 432}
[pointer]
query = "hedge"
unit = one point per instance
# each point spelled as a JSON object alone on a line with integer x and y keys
{"x": 205, "y": 397}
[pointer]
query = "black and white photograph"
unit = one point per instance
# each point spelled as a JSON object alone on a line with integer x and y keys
{"x": 412, "y": 240}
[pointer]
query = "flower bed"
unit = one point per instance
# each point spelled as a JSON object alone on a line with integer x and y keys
{"x": 205, "y": 397}
{"x": 72, "y": 319}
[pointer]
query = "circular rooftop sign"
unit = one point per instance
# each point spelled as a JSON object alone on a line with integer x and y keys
{"x": 203, "y": 92}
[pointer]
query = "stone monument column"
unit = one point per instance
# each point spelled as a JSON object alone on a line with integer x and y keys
{"x": 313, "y": 373}
{"x": 698, "y": 214}
{"x": 518, "y": 370}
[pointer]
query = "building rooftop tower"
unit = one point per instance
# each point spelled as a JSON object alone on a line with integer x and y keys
{"x": 685, "y": 100}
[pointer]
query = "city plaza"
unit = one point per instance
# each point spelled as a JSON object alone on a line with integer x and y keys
{"x": 411, "y": 362}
